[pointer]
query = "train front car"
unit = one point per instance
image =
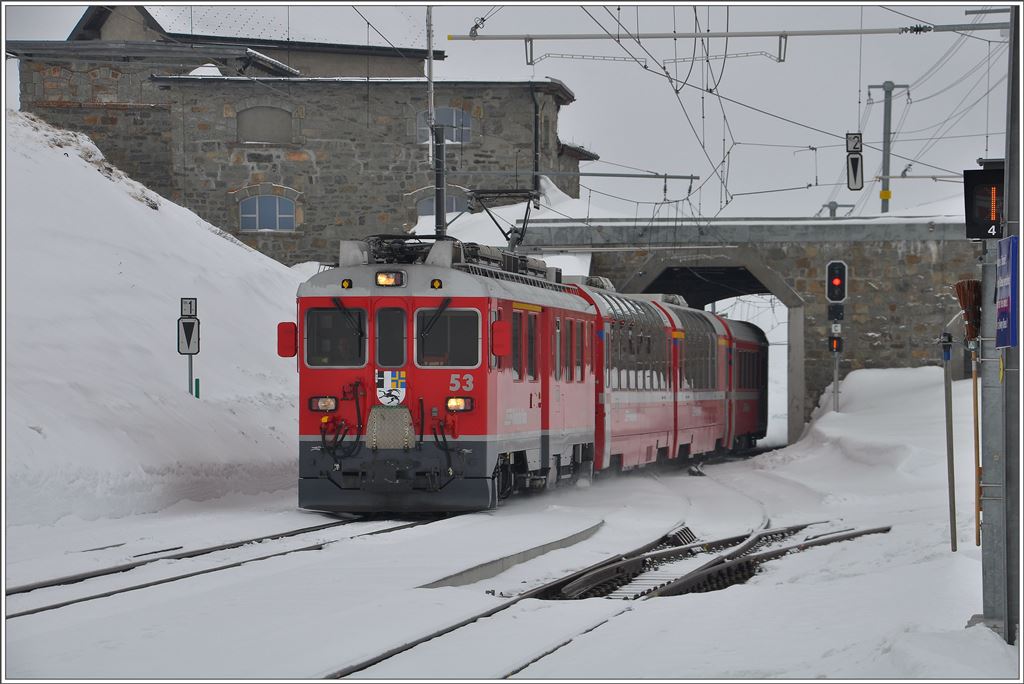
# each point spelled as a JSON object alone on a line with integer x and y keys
{"x": 407, "y": 404}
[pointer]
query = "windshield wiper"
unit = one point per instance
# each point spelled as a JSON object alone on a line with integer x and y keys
{"x": 433, "y": 319}
{"x": 353, "y": 321}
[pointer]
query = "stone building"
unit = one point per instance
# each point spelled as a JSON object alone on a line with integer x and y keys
{"x": 289, "y": 145}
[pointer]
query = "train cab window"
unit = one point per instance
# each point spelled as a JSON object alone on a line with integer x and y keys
{"x": 335, "y": 337}
{"x": 447, "y": 337}
{"x": 531, "y": 346}
{"x": 390, "y": 338}
{"x": 517, "y": 345}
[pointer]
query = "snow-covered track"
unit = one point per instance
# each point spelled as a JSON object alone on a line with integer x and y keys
{"x": 739, "y": 567}
{"x": 676, "y": 537}
{"x": 744, "y": 553}
{"x": 151, "y": 558}
{"x": 246, "y": 545}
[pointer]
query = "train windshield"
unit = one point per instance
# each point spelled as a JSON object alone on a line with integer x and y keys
{"x": 336, "y": 337}
{"x": 447, "y": 337}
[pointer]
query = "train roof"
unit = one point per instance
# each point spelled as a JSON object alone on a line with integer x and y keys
{"x": 744, "y": 330}
{"x": 464, "y": 269}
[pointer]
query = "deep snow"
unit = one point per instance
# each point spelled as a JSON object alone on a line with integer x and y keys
{"x": 105, "y": 448}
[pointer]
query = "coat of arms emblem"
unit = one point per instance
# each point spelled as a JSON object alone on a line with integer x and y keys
{"x": 391, "y": 387}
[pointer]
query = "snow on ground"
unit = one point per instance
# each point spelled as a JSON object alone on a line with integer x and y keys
{"x": 101, "y": 435}
{"x": 98, "y": 418}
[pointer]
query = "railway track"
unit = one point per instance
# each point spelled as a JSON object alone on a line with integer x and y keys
{"x": 104, "y": 582}
{"x": 672, "y": 565}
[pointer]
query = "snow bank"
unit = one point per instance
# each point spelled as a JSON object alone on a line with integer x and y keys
{"x": 96, "y": 266}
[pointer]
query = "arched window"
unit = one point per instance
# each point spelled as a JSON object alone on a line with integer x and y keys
{"x": 458, "y": 125}
{"x": 265, "y": 124}
{"x": 267, "y": 212}
{"x": 425, "y": 207}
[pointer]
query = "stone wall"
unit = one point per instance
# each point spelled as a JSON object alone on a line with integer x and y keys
{"x": 354, "y": 161}
{"x": 899, "y": 297}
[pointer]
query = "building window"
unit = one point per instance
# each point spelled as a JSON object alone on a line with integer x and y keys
{"x": 425, "y": 207}
{"x": 264, "y": 125}
{"x": 458, "y": 125}
{"x": 267, "y": 212}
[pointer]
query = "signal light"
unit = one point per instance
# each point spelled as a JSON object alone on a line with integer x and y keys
{"x": 983, "y": 203}
{"x": 835, "y": 281}
{"x": 835, "y": 344}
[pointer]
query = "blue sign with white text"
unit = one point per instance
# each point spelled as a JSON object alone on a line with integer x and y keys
{"x": 1007, "y": 293}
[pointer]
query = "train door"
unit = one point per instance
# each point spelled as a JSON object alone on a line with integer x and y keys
{"x": 523, "y": 416}
{"x": 554, "y": 415}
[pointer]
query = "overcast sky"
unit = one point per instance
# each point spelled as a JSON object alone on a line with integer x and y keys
{"x": 633, "y": 117}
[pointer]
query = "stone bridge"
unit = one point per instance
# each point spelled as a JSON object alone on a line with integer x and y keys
{"x": 899, "y": 280}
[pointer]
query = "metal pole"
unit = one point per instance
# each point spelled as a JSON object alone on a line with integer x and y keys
{"x": 947, "y": 352}
{"x": 780, "y": 33}
{"x": 886, "y": 142}
{"x": 977, "y": 446}
{"x": 1011, "y": 374}
{"x": 835, "y": 381}
{"x": 439, "y": 194}
{"x": 888, "y": 87}
{"x": 430, "y": 69}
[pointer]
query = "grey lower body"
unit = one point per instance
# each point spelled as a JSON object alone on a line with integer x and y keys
{"x": 422, "y": 479}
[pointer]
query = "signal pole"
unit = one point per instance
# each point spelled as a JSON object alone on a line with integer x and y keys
{"x": 888, "y": 87}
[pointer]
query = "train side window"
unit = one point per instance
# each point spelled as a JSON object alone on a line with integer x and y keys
{"x": 556, "y": 367}
{"x": 570, "y": 346}
{"x": 531, "y": 345}
{"x": 607, "y": 340}
{"x": 517, "y": 345}
{"x": 579, "y": 351}
{"x": 390, "y": 338}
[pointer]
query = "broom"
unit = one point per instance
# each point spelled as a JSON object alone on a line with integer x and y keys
{"x": 968, "y": 293}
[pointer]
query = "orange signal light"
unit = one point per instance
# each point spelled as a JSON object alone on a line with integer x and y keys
{"x": 994, "y": 215}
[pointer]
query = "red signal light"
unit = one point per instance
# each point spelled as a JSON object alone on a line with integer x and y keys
{"x": 837, "y": 281}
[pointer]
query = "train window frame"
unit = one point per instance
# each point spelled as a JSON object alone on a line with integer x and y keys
{"x": 358, "y": 311}
{"x": 376, "y": 337}
{"x": 517, "y": 346}
{"x": 492, "y": 360}
{"x": 451, "y": 309}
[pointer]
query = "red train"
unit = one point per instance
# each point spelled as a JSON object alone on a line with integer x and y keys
{"x": 436, "y": 375}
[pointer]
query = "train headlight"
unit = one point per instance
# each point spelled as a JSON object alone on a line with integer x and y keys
{"x": 390, "y": 278}
{"x": 456, "y": 404}
{"x": 323, "y": 403}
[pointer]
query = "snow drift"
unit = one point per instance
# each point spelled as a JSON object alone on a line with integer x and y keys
{"x": 96, "y": 265}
